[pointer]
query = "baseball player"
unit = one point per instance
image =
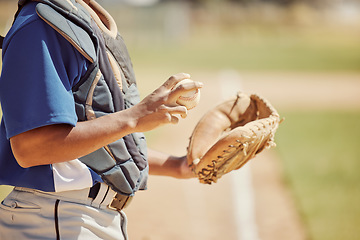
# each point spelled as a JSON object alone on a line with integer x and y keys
{"x": 70, "y": 141}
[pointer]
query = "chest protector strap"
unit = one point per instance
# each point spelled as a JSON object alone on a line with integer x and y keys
{"x": 108, "y": 86}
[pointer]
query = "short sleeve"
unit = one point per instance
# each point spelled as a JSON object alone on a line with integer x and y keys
{"x": 39, "y": 69}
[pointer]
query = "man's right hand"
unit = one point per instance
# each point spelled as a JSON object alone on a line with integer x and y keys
{"x": 157, "y": 108}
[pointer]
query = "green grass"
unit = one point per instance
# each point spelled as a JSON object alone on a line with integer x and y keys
{"x": 221, "y": 40}
{"x": 4, "y": 191}
{"x": 217, "y": 37}
{"x": 267, "y": 51}
{"x": 321, "y": 155}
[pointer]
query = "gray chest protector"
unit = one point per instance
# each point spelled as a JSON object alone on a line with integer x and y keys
{"x": 108, "y": 86}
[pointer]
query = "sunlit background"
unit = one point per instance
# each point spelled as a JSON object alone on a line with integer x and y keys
{"x": 304, "y": 56}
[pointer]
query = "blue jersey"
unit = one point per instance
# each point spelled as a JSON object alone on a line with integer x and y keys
{"x": 40, "y": 67}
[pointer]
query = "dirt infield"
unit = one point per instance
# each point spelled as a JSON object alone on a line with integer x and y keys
{"x": 184, "y": 209}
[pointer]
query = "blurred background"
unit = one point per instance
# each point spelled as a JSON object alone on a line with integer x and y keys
{"x": 304, "y": 57}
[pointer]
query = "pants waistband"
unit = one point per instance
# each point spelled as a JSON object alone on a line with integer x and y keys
{"x": 99, "y": 196}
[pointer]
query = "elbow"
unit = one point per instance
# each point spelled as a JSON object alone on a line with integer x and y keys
{"x": 33, "y": 147}
{"x": 23, "y": 163}
{"x": 24, "y": 156}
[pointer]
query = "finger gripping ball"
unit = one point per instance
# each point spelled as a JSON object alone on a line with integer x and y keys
{"x": 189, "y": 99}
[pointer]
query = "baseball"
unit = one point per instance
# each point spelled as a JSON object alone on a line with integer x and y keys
{"x": 189, "y": 99}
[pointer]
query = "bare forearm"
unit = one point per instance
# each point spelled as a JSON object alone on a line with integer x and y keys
{"x": 61, "y": 142}
{"x": 163, "y": 164}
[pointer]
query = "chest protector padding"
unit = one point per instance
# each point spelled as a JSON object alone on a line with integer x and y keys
{"x": 121, "y": 164}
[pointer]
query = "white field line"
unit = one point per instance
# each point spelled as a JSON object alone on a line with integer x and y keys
{"x": 242, "y": 188}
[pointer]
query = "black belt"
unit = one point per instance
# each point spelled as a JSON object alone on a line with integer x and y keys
{"x": 118, "y": 202}
{"x": 94, "y": 190}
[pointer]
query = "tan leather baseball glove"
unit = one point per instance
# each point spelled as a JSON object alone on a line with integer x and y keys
{"x": 231, "y": 134}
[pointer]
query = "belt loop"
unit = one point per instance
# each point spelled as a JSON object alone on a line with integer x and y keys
{"x": 102, "y": 193}
{"x": 109, "y": 197}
